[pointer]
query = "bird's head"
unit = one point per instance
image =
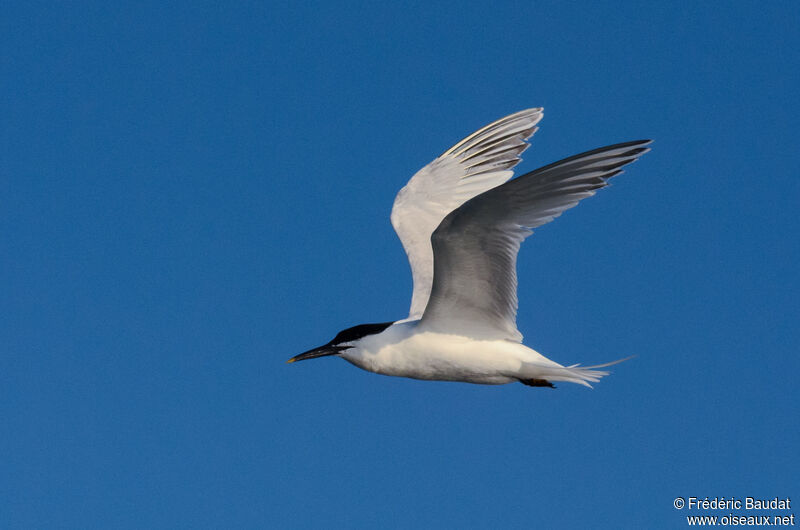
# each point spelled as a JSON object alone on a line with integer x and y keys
{"x": 343, "y": 340}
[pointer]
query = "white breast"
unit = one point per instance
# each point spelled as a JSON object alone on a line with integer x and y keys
{"x": 402, "y": 350}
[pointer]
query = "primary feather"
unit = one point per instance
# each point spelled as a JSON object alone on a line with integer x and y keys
{"x": 477, "y": 163}
{"x": 475, "y": 246}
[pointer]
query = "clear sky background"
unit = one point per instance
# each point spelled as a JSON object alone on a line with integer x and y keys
{"x": 190, "y": 195}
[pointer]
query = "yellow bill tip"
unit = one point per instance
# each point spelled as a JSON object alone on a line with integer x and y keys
{"x": 290, "y": 361}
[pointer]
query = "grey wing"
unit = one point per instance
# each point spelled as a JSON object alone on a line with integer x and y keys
{"x": 477, "y": 163}
{"x": 475, "y": 247}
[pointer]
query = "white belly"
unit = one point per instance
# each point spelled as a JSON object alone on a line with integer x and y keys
{"x": 401, "y": 351}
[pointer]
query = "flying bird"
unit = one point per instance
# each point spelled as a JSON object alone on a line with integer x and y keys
{"x": 461, "y": 220}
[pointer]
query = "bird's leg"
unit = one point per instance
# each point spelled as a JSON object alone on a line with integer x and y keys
{"x": 537, "y": 382}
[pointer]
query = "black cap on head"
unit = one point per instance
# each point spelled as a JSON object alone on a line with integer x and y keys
{"x": 343, "y": 337}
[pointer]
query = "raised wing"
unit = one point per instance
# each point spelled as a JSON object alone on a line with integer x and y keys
{"x": 475, "y": 247}
{"x": 477, "y": 163}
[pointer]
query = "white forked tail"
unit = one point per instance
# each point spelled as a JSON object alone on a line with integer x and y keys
{"x": 575, "y": 373}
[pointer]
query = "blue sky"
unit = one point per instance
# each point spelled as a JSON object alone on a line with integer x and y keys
{"x": 191, "y": 194}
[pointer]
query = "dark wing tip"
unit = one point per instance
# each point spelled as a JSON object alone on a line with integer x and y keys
{"x": 633, "y": 143}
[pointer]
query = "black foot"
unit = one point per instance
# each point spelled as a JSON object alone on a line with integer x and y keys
{"x": 537, "y": 382}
